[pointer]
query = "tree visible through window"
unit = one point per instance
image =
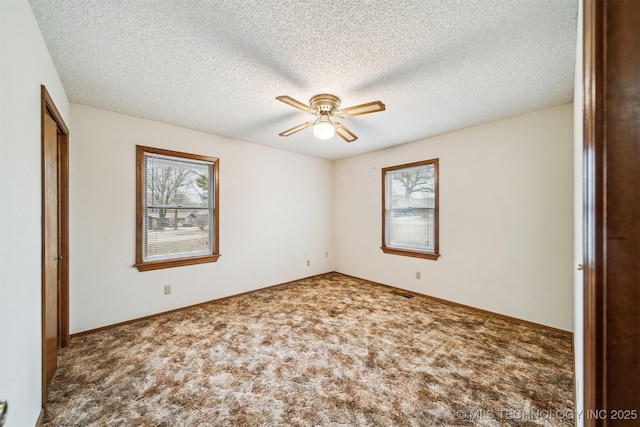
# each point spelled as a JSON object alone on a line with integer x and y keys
{"x": 410, "y": 209}
{"x": 177, "y": 209}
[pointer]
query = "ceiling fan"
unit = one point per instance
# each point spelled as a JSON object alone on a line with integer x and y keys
{"x": 324, "y": 107}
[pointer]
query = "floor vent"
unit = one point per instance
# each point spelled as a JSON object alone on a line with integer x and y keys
{"x": 402, "y": 294}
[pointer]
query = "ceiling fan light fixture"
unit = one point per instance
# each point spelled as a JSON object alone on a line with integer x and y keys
{"x": 323, "y": 129}
{"x": 323, "y": 107}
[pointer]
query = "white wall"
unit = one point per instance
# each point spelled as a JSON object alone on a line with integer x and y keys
{"x": 506, "y": 217}
{"x": 275, "y": 213}
{"x": 25, "y": 64}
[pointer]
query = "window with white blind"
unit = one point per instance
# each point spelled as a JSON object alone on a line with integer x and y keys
{"x": 177, "y": 209}
{"x": 410, "y": 209}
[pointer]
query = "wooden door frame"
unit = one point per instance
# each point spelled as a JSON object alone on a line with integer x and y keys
{"x": 611, "y": 327}
{"x": 47, "y": 106}
{"x": 593, "y": 219}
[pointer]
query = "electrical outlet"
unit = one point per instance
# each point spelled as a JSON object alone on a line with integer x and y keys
{"x": 167, "y": 289}
{"x": 326, "y": 254}
{"x": 418, "y": 275}
{"x": 308, "y": 262}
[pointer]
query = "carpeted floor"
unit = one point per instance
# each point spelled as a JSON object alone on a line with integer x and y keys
{"x": 326, "y": 351}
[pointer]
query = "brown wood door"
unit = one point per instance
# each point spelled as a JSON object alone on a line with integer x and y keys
{"x": 51, "y": 248}
{"x": 55, "y": 237}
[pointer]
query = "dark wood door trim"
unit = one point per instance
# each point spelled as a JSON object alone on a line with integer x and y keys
{"x": 48, "y": 108}
{"x": 593, "y": 221}
{"x": 611, "y": 212}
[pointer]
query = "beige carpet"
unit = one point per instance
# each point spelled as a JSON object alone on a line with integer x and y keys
{"x": 326, "y": 351}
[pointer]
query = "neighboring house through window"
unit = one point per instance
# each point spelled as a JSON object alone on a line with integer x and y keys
{"x": 176, "y": 209}
{"x": 410, "y": 209}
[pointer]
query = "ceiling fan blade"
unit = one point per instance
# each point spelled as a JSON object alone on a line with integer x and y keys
{"x": 358, "y": 110}
{"x": 295, "y": 129}
{"x": 295, "y": 103}
{"x": 344, "y": 133}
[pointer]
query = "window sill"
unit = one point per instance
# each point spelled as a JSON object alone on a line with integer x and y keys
{"x": 415, "y": 254}
{"x": 179, "y": 262}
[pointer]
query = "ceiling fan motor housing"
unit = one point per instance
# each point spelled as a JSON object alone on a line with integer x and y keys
{"x": 325, "y": 103}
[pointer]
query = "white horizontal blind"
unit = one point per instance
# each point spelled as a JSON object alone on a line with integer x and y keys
{"x": 178, "y": 207}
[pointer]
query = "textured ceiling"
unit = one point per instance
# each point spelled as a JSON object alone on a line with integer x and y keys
{"x": 217, "y": 66}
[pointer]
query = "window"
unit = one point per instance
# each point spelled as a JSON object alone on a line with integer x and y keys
{"x": 410, "y": 209}
{"x": 176, "y": 210}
